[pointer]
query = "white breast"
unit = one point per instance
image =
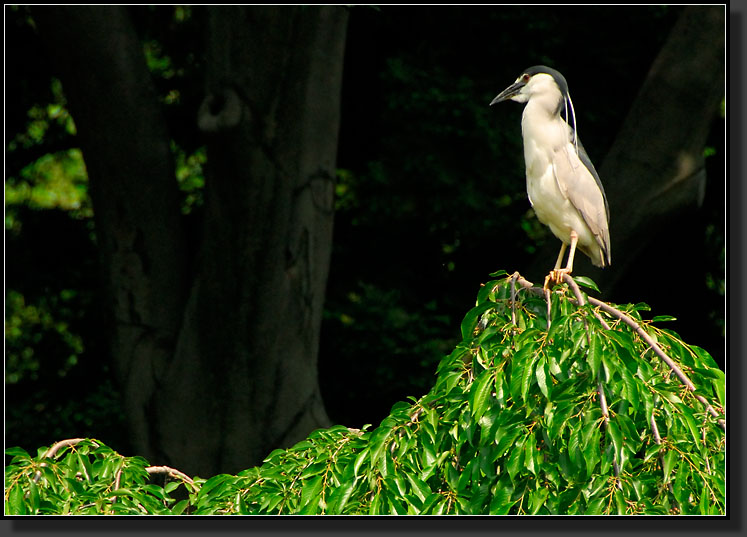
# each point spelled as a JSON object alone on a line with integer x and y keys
{"x": 551, "y": 205}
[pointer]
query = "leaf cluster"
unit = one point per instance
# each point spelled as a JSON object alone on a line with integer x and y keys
{"x": 548, "y": 405}
{"x": 85, "y": 478}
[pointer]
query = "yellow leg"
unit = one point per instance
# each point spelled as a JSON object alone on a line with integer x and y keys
{"x": 556, "y": 274}
{"x": 574, "y": 241}
{"x": 560, "y": 255}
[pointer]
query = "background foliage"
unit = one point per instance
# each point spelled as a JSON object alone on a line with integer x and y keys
{"x": 569, "y": 415}
{"x": 430, "y": 197}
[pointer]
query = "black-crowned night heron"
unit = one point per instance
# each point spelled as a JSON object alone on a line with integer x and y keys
{"x": 563, "y": 186}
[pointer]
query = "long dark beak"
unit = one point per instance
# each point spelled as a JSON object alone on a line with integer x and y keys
{"x": 509, "y": 92}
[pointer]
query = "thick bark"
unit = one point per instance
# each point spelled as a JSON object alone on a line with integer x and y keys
{"x": 654, "y": 174}
{"x": 217, "y": 356}
{"x": 123, "y": 136}
{"x": 250, "y": 339}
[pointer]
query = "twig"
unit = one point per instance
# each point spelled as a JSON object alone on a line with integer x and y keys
{"x": 580, "y": 297}
{"x": 59, "y": 445}
{"x": 617, "y": 473}
{"x": 514, "y": 277}
{"x": 52, "y": 451}
{"x": 655, "y": 429}
{"x": 171, "y": 472}
{"x": 603, "y": 402}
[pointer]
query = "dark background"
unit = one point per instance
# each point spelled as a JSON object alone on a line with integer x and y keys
{"x": 430, "y": 199}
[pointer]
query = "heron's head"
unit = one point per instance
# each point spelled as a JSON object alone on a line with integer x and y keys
{"x": 539, "y": 81}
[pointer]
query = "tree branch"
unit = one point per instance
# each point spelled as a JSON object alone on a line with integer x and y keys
{"x": 170, "y": 472}
{"x": 52, "y": 451}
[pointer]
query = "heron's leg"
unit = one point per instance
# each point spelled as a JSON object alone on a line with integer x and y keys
{"x": 574, "y": 241}
{"x": 552, "y": 277}
{"x": 563, "y": 246}
{"x": 556, "y": 274}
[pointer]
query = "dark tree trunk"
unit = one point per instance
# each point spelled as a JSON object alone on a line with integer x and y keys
{"x": 217, "y": 356}
{"x": 250, "y": 339}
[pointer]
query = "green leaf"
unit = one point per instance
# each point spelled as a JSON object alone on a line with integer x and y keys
{"x": 718, "y": 381}
{"x": 670, "y": 457}
{"x": 609, "y": 367}
{"x": 652, "y": 451}
{"x": 171, "y": 486}
{"x": 690, "y": 421}
{"x": 506, "y": 438}
{"x": 478, "y": 396}
{"x": 421, "y": 489}
{"x": 438, "y": 463}
{"x": 620, "y": 502}
{"x": 395, "y": 506}
{"x": 583, "y": 281}
{"x": 596, "y": 507}
{"x": 526, "y": 376}
{"x": 156, "y": 491}
{"x": 501, "y": 503}
{"x": 715, "y": 374}
{"x": 591, "y": 450}
{"x": 15, "y": 500}
{"x": 631, "y": 389}
{"x": 516, "y": 459}
{"x": 530, "y": 446}
{"x": 377, "y": 505}
{"x": 470, "y": 320}
{"x": 624, "y": 352}
{"x": 704, "y": 358}
{"x": 359, "y": 460}
{"x": 500, "y": 392}
{"x": 703, "y": 507}
{"x": 34, "y": 499}
{"x": 213, "y": 483}
{"x": 667, "y": 394}
{"x": 542, "y": 373}
{"x": 16, "y": 452}
{"x": 594, "y": 356}
{"x": 310, "y": 495}
{"x": 679, "y": 487}
{"x": 121, "y": 492}
{"x": 178, "y": 509}
{"x": 537, "y": 499}
{"x": 515, "y": 385}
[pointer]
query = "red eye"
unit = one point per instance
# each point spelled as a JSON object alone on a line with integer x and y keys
{"x": 525, "y": 78}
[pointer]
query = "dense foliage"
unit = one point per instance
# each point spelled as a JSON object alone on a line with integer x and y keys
{"x": 560, "y": 407}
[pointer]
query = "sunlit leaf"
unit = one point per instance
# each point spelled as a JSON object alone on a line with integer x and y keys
{"x": 479, "y": 393}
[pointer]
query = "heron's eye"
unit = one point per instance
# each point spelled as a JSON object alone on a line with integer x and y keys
{"x": 525, "y": 77}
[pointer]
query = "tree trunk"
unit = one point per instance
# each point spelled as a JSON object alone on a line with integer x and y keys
{"x": 216, "y": 356}
{"x": 141, "y": 242}
{"x": 251, "y": 333}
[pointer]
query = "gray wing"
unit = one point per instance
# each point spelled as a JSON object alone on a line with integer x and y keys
{"x": 586, "y": 161}
{"x": 579, "y": 182}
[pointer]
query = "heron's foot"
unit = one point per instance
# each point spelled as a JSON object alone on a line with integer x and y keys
{"x": 555, "y": 277}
